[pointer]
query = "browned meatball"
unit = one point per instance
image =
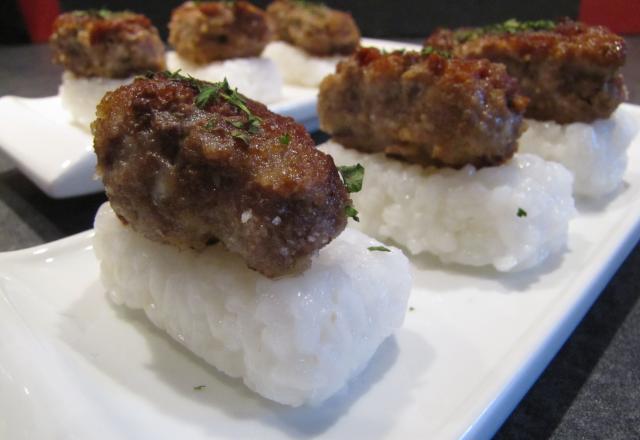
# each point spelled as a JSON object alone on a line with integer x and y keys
{"x": 317, "y": 29}
{"x": 570, "y": 71}
{"x": 191, "y": 163}
{"x": 203, "y": 32}
{"x": 106, "y": 44}
{"x": 423, "y": 108}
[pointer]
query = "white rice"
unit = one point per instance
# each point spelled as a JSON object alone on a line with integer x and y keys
{"x": 595, "y": 153}
{"x": 80, "y": 96}
{"x": 298, "y": 67}
{"x": 296, "y": 340}
{"x": 465, "y": 216}
{"x": 257, "y": 78}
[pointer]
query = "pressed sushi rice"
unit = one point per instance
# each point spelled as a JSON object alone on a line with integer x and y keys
{"x": 296, "y": 339}
{"x": 80, "y": 96}
{"x": 511, "y": 216}
{"x": 298, "y": 67}
{"x": 256, "y": 78}
{"x": 595, "y": 153}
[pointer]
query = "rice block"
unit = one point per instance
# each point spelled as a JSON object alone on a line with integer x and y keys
{"x": 595, "y": 153}
{"x": 80, "y": 96}
{"x": 297, "y": 67}
{"x": 256, "y": 78}
{"x": 511, "y": 217}
{"x": 296, "y": 340}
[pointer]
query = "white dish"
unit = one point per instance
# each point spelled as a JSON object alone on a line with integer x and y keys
{"x": 58, "y": 156}
{"x": 74, "y": 366}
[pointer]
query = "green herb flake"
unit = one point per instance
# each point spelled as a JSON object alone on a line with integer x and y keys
{"x": 352, "y": 212}
{"x": 379, "y": 248}
{"x": 199, "y": 387}
{"x": 411, "y": 309}
{"x": 211, "y": 123}
{"x": 221, "y": 90}
{"x": 253, "y": 124}
{"x": 236, "y": 123}
{"x": 242, "y": 135}
{"x": 352, "y": 176}
{"x": 522, "y": 212}
{"x": 104, "y": 13}
{"x": 511, "y": 26}
{"x": 428, "y": 50}
{"x": 285, "y": 139}
{"x": 206, "y": 93}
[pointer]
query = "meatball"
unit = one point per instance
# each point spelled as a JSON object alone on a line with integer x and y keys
{"x": 570, "y": 71}
{"x": 203, "y": 32}
{"x": 423, "y": 108}
{"x": 190, "y": 163}
{"x": 317, "y": 29}
{"x": 106, "y": 44}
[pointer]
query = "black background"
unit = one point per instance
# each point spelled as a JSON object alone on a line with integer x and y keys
{"x": 376, "y": 18}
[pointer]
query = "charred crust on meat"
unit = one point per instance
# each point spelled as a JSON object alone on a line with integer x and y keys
{"x": 102, "y": 43}
{"x": 423, "y": 108}
{"x": 569, "y": 70}
{"x": 178, "y": 179}
{"x": 202, "y": 32}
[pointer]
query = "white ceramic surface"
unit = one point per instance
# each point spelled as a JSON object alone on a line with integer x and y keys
{"x": 58, "y": 156}
{"x": 74, "y": 366}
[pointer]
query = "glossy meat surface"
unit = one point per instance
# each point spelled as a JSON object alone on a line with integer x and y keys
{"x": 190, "y": 163}
{"x": 570, "y": 71}
{"x": 106, "y": 44}
{"x": 423, "y": 108}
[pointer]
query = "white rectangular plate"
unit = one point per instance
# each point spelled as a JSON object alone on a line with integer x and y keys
{"x": 58, "y": 157}
{"x": 74, "y": 366}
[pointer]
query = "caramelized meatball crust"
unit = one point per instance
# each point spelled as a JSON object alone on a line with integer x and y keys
{"x": 423, "y": 108}
{"x": 106, "y": 44}
{"x": 190, "y": 163}
{"x": 569, "y": 70}
{"x": 203, "y": 32}
{"x": 317, "y": 29}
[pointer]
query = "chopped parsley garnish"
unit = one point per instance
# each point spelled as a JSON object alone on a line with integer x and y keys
{"x": 510, "y": 26}
{"x": 211, "y": 123}
{"x": 428, "y": 50}
{"x": 221, "y": 90}
{"x": 352, "y": 212}
{"x": 253, "y": 124}
{"x": 236, "y": 123}
{"x": 522, "y": 212}
{"x": 173, "y": 75}
{"x": 207, "y": 92}
{"x": 285, "y": 139}
{"x": 199, "y": 387}
{"x": 242, "y": 135}
{"x": 379, "y": 248}
{"x": 352, "y": 176}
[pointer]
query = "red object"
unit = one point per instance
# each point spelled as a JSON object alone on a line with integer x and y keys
{"x": 38, "y": 16}
{"x": 621, "y": 16}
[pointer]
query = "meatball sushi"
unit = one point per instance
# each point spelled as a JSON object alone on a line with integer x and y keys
{"x": 227, "y": 227}
{"x": 438, "y": 137}
{"x": 312, "y": 39}
{"x": 571, "y": 74}
{"x": 101, "y": 50}
{"x": 214, "y": 40}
